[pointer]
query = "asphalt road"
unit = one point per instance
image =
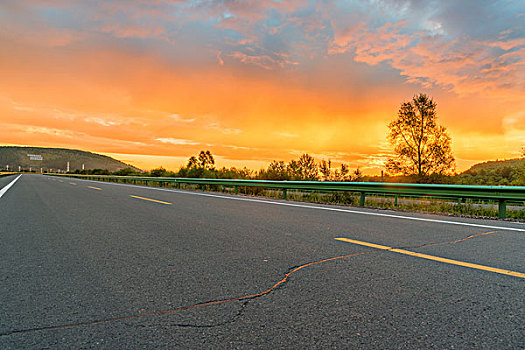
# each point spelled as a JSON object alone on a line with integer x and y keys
{"x": 85, "y": 264}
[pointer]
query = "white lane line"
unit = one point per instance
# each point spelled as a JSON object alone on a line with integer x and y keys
{"x": 8, "y": 186}
{"x": 341, "y": 210}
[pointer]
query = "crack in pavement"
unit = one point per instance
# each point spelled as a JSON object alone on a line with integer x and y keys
{"x": 449, "y": 242}
{"x": 233, "y": 319}
{"x": 245, "y": 298}
{"x": 182, "y": 308}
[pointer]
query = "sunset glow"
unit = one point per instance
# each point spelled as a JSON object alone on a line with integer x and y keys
{"x": 154, "y": 82}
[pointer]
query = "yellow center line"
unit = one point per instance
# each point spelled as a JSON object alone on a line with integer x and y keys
{"x": 72, "y": 183}
{"x": 151, "y": 200}
{"x": 95, "y": 188}
{"x": 435, "y": 258}
{"x": 60, "y": 181}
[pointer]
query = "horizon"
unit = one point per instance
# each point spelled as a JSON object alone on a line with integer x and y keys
{"x": 219, "y": 165}
{"x": 257, "y": 81}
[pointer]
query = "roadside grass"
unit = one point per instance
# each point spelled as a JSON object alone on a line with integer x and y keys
{"x": 478, "y": 209}
{"x": 468, "y": 208}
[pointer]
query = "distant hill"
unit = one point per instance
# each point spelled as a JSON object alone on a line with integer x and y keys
{"x": 56, "y": 159}
{"x": 495, "y": 165}
{"x": 499, "y": 172}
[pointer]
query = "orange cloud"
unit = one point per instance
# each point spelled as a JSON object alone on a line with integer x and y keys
{"x": 133, "y": 30}
{"x": 470, "y": 68}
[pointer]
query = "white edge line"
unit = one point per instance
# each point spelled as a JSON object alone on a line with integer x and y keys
{"x": 8, "y": 186}
{"x": 316, "y": 207}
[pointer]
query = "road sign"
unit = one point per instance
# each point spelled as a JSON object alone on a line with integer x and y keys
{"x": 35, "y": 157}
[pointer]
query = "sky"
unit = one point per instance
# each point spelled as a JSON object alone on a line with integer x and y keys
{"x": 154, "y": 82}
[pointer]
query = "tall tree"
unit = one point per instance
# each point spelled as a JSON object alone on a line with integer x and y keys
{"x": 192, "y": 161}
{"x": 308, "y": 167}
{"x": 358, "y": 174}
{"x": 206, "y": 160}
{"x": 325, "y": 169}
{"x": 294, "y": 170}
{"x": 342, "y": 174}
{"x": 421, "y": 146}
{"x": 522, "y": 167}
{"x": 277, "y": 171}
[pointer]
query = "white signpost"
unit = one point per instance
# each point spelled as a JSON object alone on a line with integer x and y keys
{"x": 35, "y": 157}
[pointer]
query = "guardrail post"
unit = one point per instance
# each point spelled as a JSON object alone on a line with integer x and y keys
{"x": 178, "y": 185}
{"x": 502, "y": 209}
{"x": 362, "y": 199}
{"x": 236, "y": 189}
{"x": 395, "y": 201}
{"x": 284, "y": 193}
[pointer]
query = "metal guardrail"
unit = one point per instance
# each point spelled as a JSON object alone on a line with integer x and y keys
{"x": 500, "y": 194}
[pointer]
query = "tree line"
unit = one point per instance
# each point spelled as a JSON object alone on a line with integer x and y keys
{"x": 305, "y": 168}
{"x": 421, "y": 153}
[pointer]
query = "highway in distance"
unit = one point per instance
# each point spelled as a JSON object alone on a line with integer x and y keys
{"x": 88, "y": 264}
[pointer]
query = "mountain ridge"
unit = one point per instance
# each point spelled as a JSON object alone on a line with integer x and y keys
{"x": 494, "y": 165}
{"x": 56, "y": 159}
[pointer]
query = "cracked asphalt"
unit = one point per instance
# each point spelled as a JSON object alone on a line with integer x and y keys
{"x": 84, "y": 267}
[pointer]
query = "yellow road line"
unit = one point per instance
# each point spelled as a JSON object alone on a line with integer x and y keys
{"x": 435, "y": 258}
{"x": 72, "y": 183}
{"x": 151, "y": 200}
{"x": 95, "y": 188}
{"x": 60, "y": 181}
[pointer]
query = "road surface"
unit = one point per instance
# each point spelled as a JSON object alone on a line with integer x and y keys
{"x": 86, "y": 264}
